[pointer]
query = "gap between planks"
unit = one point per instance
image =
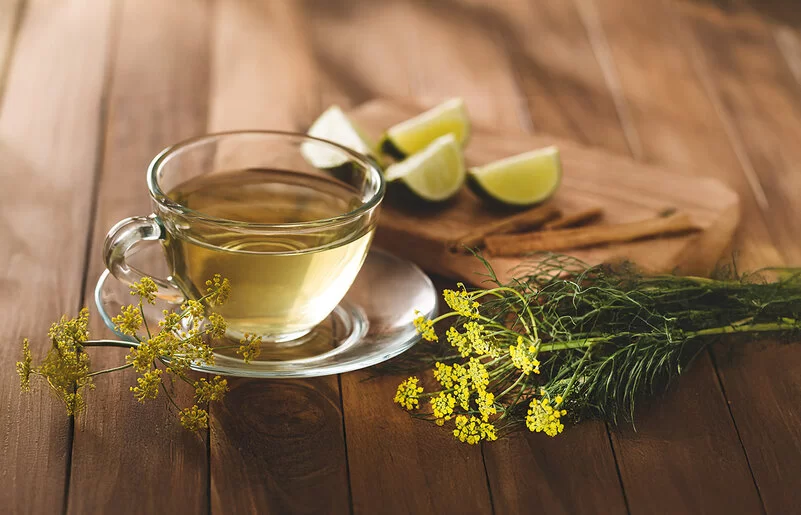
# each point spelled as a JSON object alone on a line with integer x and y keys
{"x": 12, "y": 14}
{"x": 113, "y": 37}
{"x": 528, "y": 126}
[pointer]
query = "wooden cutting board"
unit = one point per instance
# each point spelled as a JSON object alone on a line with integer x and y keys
{"x": 625, "y": 189}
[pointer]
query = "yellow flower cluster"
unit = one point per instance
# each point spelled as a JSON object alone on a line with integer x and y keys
{"x": 217, "y": 325}
{"x": 442, "y": 406}
{"x": 461, "y": 302}
{"x": 207, "y": 391}
{"x": 142, "y": 357}
{"x": 71, "y": 332}
{"x": 478, "y": 374}
{"x": 425, "y": 327}
{"x": 472, "y": 341}
{"x": 457, "y": 378}
{"x": 480, "y": 343}
{"x": 194, "y": 418}
{"x": 181, "y": 341}
{"x": 525, "y": 358}
{"x": 543, "y": 417}
{"x": 459, "y": 382}
{"x": 145, "y": 289}
{"x": 25, "y": 367}
{"x": 459, "y": 341}
{"x": 129, "y": 321}
{"x": 65, "y": 367}
{"x": 486, "y": 404}
{"x": 218, "y": 290}
{"x": 147, "y": 385}
{"x": 408, "y": 393}
{"x": 472, "y": 430}
{"x": 250, "y": 347}
{"x": 194, "y": 310}
{"x": 444, "y": 374}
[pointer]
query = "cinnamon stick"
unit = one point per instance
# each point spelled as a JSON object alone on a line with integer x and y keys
{"x": 517, "y": 244}
{"x": 581, "y": 218}
{"x": 526, "y": 220}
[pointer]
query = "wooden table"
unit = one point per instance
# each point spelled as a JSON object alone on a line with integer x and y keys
{"x": 91, "y": 90}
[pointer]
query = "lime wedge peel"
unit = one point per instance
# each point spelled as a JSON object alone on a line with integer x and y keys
{"x": 334, "y": 125}
{"x": 520, "y": 180}
{"x": 415, "y": 134}
{"x": 435, "y": 174}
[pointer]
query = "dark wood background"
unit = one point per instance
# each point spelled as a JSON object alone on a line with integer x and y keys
{"x": 90, "y": 90}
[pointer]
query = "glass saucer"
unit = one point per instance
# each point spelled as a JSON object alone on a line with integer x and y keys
{"x": 371, "y": 325}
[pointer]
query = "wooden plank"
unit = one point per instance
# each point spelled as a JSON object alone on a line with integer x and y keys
{"x": 760, "y": 96}
{"x": 48, "y": 146}
{"x": 688, "y": 134}
{"x": 678, "y": 122}
{"x": 276, "y": 447}
{"x": 397, "y": 464}
{"x": 438, "y": 50}
{"x": 159, "y": 84}
{"x": 430, "y": 51}
{"x": 11, "y": 12}
{"x": 574, "y": 473}
{"x": 566, "y": 95}
{"x": 263, "y": 75}
{"x": 564, "y": 85}
{"x": 762, "y": 101}
{"x": 402, "y": 465}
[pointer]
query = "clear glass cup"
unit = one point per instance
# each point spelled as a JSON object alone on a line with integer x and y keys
{"x": 287, "y": 218}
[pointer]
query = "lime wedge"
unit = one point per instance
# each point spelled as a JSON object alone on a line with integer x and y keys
{"x": 415, "y": 134}
{"x": 435, "y": 174}
{"x": 519, "y": 180}
{"x": 334, "y": 125}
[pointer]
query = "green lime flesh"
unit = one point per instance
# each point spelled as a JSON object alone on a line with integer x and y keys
{"x": 520, "y": 180}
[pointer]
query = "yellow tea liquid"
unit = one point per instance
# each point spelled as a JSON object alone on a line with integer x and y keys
{"x": 281, "y": 284}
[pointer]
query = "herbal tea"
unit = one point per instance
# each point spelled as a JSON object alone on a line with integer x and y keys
{"x": 283, "y": 284}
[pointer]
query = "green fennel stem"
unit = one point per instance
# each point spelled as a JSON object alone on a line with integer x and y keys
{"x": 110, "y": 343}
{"x": 712, "y": 331}
{"x": 786, "y": 325}
{"x": 106, "y": 371}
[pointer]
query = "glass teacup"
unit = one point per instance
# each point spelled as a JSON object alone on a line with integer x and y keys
{"x": 287, "y": 218}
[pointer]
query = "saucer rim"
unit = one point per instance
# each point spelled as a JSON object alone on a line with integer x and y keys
{"x": 350, "y": 365}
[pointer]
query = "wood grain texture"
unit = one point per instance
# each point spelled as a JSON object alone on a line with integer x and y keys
{"x": 47, "y": 157}
{"x": 473, "y": 53}
{"x": 574, "y": 473}
{"x": 762, "y": 99}
{"x": 660, "y": 100}
{"x": 550, "y": 56}
{"x": 158, "y": 95}
{"x": 11, "y": 13}
{"x": 276, "y": 447}
{"x": 676, "y": 120}
{"x": 395, "y": 464}
{"x": 565, "y": 87}
{"x": 417, "y": 52}
{"x": 402, "y": 465}
{"x": 581, "y": 237}
{"x": 399, "y": 465}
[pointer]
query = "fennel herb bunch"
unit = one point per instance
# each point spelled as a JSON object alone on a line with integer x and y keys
{"x": 568, "y": 341}
{"x": 156, "y": 354}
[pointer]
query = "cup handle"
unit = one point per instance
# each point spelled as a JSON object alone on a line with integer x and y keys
{"x": 125, "y": 235}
